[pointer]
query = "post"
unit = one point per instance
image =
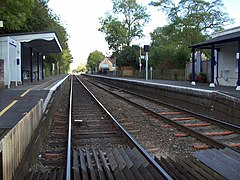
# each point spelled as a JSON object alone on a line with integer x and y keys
{"x": 238, "y": 59}
{"x": 212, "y": 67}
{"x": 146, "y": 65}
{"x": 140, "y": 62}
{"x": 193, "y": 67}
{"x": 151, "y": 72}
{"x": 38, "y": 66}
{"x": 146, "y": 49}
{"x": 31, "y": 63}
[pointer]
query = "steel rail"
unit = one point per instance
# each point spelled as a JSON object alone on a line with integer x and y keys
{"x": 215, "y": 121}
{"x": 192, "y": 132}
{"x": 132, "y": 140}
{"x": 68, "y": 170}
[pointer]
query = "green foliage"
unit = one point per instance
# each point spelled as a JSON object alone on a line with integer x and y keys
{"x": 202, "y": 77}
{"x": 165, "y": 51}
{"x": 94, "y": 60}
{"x": 81, "y": 68}
{"x": 14, "y": 14}
{"x": 33, "y": 16}
{"x": 129, "y": 56}
{"x": 190, "y": 22}
{"x": 125, "y": 23}
{"x": 201, "y": 15}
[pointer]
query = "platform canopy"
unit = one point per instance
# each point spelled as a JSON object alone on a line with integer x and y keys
{"x": 44, "y": 42}
{"x": 220, "y": 38}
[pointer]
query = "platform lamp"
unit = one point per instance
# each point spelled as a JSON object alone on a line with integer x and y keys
{"x": 146, "y": 50}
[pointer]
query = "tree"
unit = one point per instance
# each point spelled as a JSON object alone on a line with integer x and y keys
{"x": 14, "y": 14}
{"x": 32, "y": 16}
{"x": 129, "y": 56}
{"x": 125, "y": 24}
{"x": 190, "y": 22}
{"x": 94, "y": 60}
{"x": 198, "y": 15}
{"x": 166, "y": 51}
{"x": 81, "y": 68}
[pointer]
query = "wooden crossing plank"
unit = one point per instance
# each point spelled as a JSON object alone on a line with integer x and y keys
{"x": 206, "y": 168}
{"x": 198, "y": 169}
{"x": 45, "y": 176}
{"x": 130, "y": 165}
{"x": 142, "y": 170}
{"x": 191, "y": 170}
{"x": 154, "y": 173}
{"x": 76, "y": 174}
{"x": 60, "y": 174}
{"x": 98, "y": 164}
{"x": 83, "y": 165}
{"x": 227, "y": 160}
{"x": 90, "y": 165}
{"x": 115, "y": 167}
{"x": 231, "y": 153}
{"x": 167, "y": 167}
{"x": 180, "y": 169}
{"x": 172, "y": 168}
{"x": 212, "y": 160}
{"x": 52, "y": 175}
{"x": 122, "y": 165}
{"x": 133, "y": 157}
{"x": 105, "y": 165}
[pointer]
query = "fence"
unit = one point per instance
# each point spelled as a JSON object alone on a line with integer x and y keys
{"x": 165, "y": 74}
{"x": 16, "y": 141}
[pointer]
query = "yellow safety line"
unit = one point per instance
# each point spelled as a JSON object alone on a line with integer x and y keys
{"x": 8, "y": 107}
{"x": 25, "y": 92}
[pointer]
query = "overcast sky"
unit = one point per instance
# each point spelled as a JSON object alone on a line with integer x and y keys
{"x": 81, "y": 18}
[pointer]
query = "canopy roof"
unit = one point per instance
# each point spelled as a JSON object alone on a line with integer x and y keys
{"x": 45, "y": 42}
{"x": 227, "y": 36}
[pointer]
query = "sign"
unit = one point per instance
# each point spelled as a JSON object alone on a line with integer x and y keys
{"x": 146, "y": 48}
{"x": 1, "y": 24}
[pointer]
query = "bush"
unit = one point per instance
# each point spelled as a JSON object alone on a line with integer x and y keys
{"x": 202, "y": 77}
{"x": 190, "y": 77}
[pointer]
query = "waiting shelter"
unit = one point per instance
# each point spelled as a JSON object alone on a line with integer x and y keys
{"x": 225, "y": 60}
{"x": 22, "y": 55}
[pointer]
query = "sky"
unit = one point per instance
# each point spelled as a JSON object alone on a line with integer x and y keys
{"x": 81, "y": 19}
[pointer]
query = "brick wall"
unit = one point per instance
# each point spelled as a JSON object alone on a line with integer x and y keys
{"x": 1, "y": 73}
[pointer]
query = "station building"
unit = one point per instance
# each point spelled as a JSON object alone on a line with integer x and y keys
{"x": 22, "y": 56}
{"x": 225, "y": 60}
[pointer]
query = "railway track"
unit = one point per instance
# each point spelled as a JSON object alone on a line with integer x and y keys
{"x": 212, "y": 132}
{"x": 95, "y": 146}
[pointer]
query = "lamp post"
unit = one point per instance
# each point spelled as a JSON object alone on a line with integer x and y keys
{"x": 140, "y": 62}
{"x": 146, "y": 49}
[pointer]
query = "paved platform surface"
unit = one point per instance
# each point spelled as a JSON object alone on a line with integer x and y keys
{"x": 227, "y": 90}
{"x": 17, "y": 101}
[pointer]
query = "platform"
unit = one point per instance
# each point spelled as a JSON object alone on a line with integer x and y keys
{"x": 227, "y": 90}
{"x": 19, "y": 100}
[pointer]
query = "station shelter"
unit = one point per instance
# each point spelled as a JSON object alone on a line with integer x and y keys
{"x": 225, "y": 60}
{"x": 22, "y": 56}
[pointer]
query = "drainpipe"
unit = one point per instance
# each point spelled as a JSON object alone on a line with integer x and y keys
{"x": 238, "y": 59}
{"x": 212, "y": 66}
{"x": 193, "y": 67}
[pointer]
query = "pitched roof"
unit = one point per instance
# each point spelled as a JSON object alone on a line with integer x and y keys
{"x": 222, "y": 38}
